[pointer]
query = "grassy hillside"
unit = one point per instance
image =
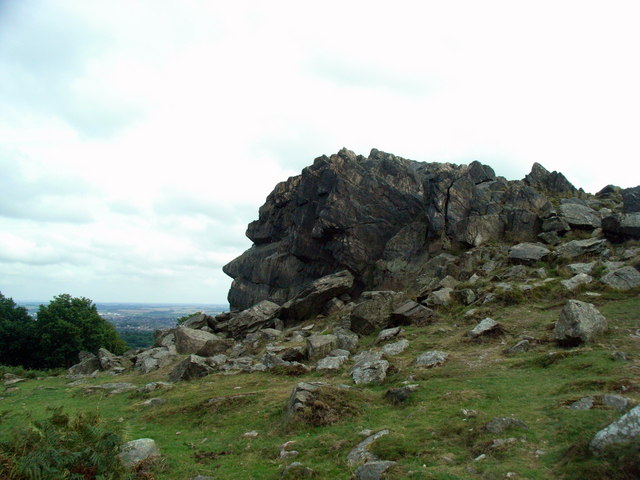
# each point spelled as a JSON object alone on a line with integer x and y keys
{"x": 430, "y": 435}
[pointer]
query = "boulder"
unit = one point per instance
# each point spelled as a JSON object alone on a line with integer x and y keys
{"x": 311, "y": 300}
{"x": 552, "y": 182}
{"x": 499, "y": 425}
{"x": 577, "y": 268}
{"x": 373, "y": 470}
{"x": 136, "y": 451}
{"x": 366, "y": 356}
{"x": 624, "y": 278}
{"x": 346, "y": 339}
{"x": 89, "y": 363}
{"x": 488, "y": 326}
{"x": 164, "y": 338}
{"x": 575, "y": 281}
{"x": 528, "y": 252}
{"x": 374, "y": 312}
{"x": 331, "y": 363}
{"x": 401, "y": 394}
{"x": 440, "y": 298}
{"x": 370, "y": 372}
{"x": 319, "y": 346}
{"x": 621, "y": 227}
{"x": 624, "y": 430}
{"x": 579, "y": 322}
{"x": 432, "y": 358}
{"x": 189, "y": 340}
{"x": 387, "y": 334}
{"x": 577, "y": 248}
{"x": 361, "y": 454}
{"x": 252, "y": 319}
{"x": 395, "y": 348}
{"x": 579, "y": 216}
{"x": 214, "y": 346}
{"x": 191, "y": 368}
{"x": 520, "y": 347}
{"x": 154, "y": 358}
{"x": 412, "y": 313}
{"x": 198, "y": 321}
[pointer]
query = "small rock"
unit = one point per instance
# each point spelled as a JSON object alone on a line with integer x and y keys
{"x": 319, "y": 346}
{"x": 624, "y": 278}
{"x": 618, "y": 402}
{"x": 373, "y": 470}
{"x": 387, "y": 334}
{"x": 623, "y": 430}
{"x": 528, "y": 252}
{"x": 135, "y": 451}
{"x": 500, "y": 424}
{"x": 619, "y": 356}
{"x": 433, "y": 358}
{"x": 579, "y": 322}
{"x": 296, "y": 470}
{"x": 520, "y": 347}
{"x": 488, "y": 326}
{"x": 395, "y": 348}
{"x": 577, "y": 268}
{"x": 400, "y": 395}
{"x": 361, "y": 454}
{"x": 577, "y": 280}
{"x": 154, "y": 402}
{"x": 251, "y": 434}
{"x": 370, "y": 372}
{"x": 331, "y": 363}
{"x": 585, "y": 403}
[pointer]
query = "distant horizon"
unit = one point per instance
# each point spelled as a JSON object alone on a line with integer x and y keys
{"x": 97, "y": 302}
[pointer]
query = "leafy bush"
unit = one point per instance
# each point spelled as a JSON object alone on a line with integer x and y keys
{"x": 61, "y": 447}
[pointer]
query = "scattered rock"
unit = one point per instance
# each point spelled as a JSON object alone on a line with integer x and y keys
{"x": 499, "y": 425}
{"x": 387, "y": 334}
{"x": 370, "y": 372}
{"x": 346, "y": 339}
{"x": 373, "y": 470}
{"x": 192, "y": 367}
{"x": 395, "y": 348}
{"x": 153, "y": 386}
{"x": 110, "y": 388}
{"x": 488, "y": 326}
{"x": 251, "y": 434}
{"x": 623, "y": 430}
{"x": 89, "y": 363}
{"x": 366, "y": 356}
{"x": 296, "y": 471}
{"x": 440, "y": 298}
{"x": 520, "y": 347}
{"x": 577, "y": 268}
{"x": 374, "y": 312}
{"x": 189, "y": 340}
{"x": 154, "y": 402}
{"x": 319, "y": 346}
{"x": 585, "y": 403}
{"x": 528, "y": 252}
{"x": 135, "y": 451}
{"x": 412, "y": 313}
{"x": 579, "y": 322}
{"x": 361, "y": 454}
{"x": 401, "y": 394}
{"x": 331, "y": 363}
{"x": 618, "y": 402}
{"x": 154, "y": 358}
{"x": 624, "y": 278}
{"x": 433, "y": 358}
{"x": 577, "y": 280}
{"x": 577, "y": 248}
{"x": 252, "y": 319}
{"x": 579, "y": 216}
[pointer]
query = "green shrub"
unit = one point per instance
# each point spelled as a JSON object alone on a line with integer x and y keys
{"x": 62, "y": 447}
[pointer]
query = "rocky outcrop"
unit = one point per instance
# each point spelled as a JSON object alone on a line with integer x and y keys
{"x": 374, "y": 217}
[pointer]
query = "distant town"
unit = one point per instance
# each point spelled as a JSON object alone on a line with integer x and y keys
{"x": 136, "y": 322}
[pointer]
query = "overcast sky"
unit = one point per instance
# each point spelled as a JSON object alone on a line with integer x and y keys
{"x": 138, "y": 138}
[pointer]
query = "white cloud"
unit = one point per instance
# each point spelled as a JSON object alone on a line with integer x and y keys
{"x": 139, "y": 138}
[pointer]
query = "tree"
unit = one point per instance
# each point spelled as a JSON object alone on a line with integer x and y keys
{"x": 69, "y": 325}
{"x": 17, "y": 332}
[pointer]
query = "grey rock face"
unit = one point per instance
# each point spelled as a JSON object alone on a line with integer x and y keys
{"x": 624, "y": 278}
{"x": 432, "y": 358}
{"x": 620, "y": 227}
{"x": 370, "y": 372}
{"x": 310, "y": 301}
{"x": 349, "y": 212}
{"x": 135, "y": 451}
{"x": 579, "y": 216}
{"x": 528, "y": 252}
{"x": 579, "y": 322}
{"x": 623, "y": 430}
{"x": 553, "y": 182}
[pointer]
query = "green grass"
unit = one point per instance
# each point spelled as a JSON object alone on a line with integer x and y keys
{"x": 430, "y": 437}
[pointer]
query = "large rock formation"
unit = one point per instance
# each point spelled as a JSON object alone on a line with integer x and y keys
{"x": 375, "y": 216}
